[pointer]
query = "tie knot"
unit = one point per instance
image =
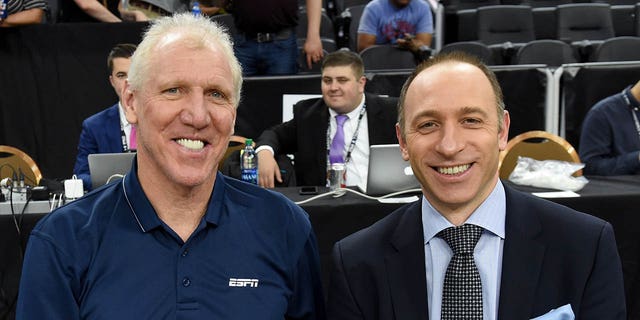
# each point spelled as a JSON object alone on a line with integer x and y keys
{"x": 341, "y": 119}
{"x": 461, "y": 239}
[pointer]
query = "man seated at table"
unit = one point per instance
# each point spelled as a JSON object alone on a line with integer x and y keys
{"x": 175, "y": 239}
{"x": 471, "y": 248}
{"x": 610, "y": 138}
{"x": 406, "y": 23}
{"x": 107, "y": 131}
{"x": 311, "y": 135}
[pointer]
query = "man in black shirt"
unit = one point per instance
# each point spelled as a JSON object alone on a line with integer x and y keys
{"x": 266, "y": 40}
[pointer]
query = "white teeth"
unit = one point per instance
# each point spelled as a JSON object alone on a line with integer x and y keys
{"x": 191, "y": 144}
{"x": 454, "y": 170}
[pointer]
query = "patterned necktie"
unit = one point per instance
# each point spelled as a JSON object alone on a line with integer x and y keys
{"x": 133, "y": 144}
{"x": 462, "y": 291}
{"x": 336, "y": 151}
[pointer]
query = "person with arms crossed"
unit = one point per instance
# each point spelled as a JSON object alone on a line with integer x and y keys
{"x": 517, "y": 256}
{"x": 107, "y": 131}
{"x": 86, "y": 11}
{"x": 145, "y": 10}
{"x": 266, "y": 41}
{"x": 23, "y": 12}
{"x": 367, "y": 119}
{"x": 610, "y": 138}
{"x": 406, "y": 23}
{"x": 175, "y": 239}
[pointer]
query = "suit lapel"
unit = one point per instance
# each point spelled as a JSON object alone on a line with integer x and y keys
{"x": 405, "y": 267}
{"x": 114, "y": 130}
{"x": 319, "y": 137}
{"x": 522, "y": 259}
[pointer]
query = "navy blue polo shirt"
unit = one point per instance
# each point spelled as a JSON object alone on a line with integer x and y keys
{"x": 109, "y": 256}
{"x": 609, "y": 141}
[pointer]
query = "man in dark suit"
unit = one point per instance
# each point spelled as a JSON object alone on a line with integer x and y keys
{"x": 107, "y": 131}
{"x": 371, "y": 120}
{"x": 528, "y": 256}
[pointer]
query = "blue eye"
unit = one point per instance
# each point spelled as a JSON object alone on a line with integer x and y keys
{"x": 217, "y": 95}
{"x": 172, "y": 90}
{"x": 472, "y": 121}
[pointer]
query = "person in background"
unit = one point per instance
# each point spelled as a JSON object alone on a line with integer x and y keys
{"x": 212, "y": 7}
{"x": 266, "y": 42}
{"x": 107, "y": 131}
{"x": 369, "y": 119}
{"x": 144, "y": 10}
{"x": 406, "y": 23}
{"x": 23, "y": 12}
{"x": 471, "y": 248}
{"x": 86, "y": 11}
{"x": 610, "y": 138}
{"x": 175, "y": 239}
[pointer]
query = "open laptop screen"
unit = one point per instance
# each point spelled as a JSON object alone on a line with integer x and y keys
{"x": 105, "y": 167}
{"x": 388, "y": 172}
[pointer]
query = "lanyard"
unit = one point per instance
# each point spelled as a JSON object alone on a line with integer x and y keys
{"x": 353, "y": 139}
{"x": 123, "y": 139}
{"x": 634, "y": 110}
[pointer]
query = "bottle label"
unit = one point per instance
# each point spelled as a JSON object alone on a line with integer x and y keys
{"x": 250, "y": 175}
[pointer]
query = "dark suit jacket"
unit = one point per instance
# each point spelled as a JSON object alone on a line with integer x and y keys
{"x": 101, "y": 133}
{"x": 305, "y": 135}
{"x": 552, "y": 256}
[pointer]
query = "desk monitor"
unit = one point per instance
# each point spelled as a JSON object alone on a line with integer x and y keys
{"x": 388, "y": 172}
{"x": 103, "y": 166}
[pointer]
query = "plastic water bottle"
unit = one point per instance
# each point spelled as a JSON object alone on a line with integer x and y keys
{"x": 195, "y": 9}
{"x": 4, "y": 9}
{"x": 249, "y": 163}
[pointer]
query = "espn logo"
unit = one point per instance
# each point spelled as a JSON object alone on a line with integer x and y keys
{"x": 252, "y": 283}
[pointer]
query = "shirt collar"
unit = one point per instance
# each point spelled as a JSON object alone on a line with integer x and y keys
{"x": 353, "y": 114}
{"x": 123, "y": 119}
{"x": 631, "y": 100}
{"x": 490, "y": 215}
{"x": 143, "y": 211}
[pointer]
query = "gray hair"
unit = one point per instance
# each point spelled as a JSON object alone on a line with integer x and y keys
{"x": 197, "y": 32}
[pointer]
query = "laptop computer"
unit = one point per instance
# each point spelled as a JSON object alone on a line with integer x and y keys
{"x": 388, "y": 172}
{"x": 107, "y": 167}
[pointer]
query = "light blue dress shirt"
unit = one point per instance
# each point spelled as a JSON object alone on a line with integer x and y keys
{"x": 487, "y": 254}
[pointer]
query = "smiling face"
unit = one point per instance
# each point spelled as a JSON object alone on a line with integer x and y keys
{"x": 341, "y": 89}
{"x": 184, "y": 112}
{"x": 452, "y": 136}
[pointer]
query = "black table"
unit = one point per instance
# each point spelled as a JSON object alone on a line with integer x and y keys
{"x": 614, "y": 199}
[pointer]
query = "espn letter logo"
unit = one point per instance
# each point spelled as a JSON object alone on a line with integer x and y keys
{"x": 252, "y": 283}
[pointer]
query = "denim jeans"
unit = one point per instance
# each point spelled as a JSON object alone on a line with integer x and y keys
{"x": 279, "y": 57}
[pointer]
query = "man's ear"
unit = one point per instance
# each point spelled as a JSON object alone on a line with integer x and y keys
{"x": 129, "y": 103}
{"x": 402, "y": 142}
{"x": 503, "y": 136}
{"x": 363, "y": 82}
